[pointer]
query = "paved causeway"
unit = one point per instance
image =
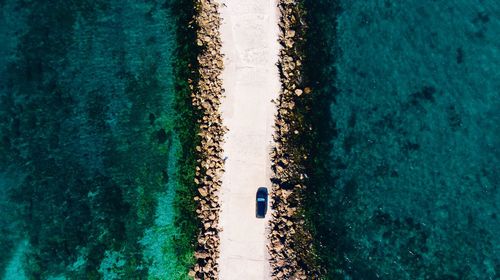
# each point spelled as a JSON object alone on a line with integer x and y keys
{"x": 249, "y": 35}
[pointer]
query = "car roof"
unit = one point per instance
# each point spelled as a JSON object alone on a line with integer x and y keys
{"x": 262, "y": 189}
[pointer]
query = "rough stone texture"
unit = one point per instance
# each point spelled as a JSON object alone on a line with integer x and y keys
{"x": 291, "y": 250}
{"x": 206, "y": 97}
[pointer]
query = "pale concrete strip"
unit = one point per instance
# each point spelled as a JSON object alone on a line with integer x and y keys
{"x": 249, "y": 34}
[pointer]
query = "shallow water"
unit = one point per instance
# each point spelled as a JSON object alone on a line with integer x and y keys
{"x": 88, "y": 147}
{"x": 411, "y": 124}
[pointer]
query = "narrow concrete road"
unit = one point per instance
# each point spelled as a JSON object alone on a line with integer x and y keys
{"x": 249, "y": 34}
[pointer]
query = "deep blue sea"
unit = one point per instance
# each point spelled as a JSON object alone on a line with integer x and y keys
{"x": 411, "y": 123}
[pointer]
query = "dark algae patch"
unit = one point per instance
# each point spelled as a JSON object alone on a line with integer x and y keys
{"x": 97, "y": 135}
{"x": 405, "y": 145}
{"x": 326, "y": 227}
{"x": 186, "y": 125}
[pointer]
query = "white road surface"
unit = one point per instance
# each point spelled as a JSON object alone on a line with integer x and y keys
{"x": 249, "y": 34}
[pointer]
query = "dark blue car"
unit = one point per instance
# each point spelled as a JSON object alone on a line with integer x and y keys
{"x": 261, "y": 202}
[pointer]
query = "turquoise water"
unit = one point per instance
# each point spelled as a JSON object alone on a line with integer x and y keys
{"x": 408, "y": 107}
{"x": 406, "y": 104}
{"x": 88, "y": 141}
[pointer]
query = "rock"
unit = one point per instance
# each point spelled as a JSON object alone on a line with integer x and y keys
{"x": 279, "y": 169}
{"x": 206, "y": 96}
{"x": 203, "y": 192}
{"x": 278, "y": 247}
{"x": 284, "y": 257}
{"x": 201, "y": 255}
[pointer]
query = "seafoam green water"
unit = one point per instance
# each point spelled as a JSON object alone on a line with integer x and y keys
{"x": 408, "y": 107}
{"x": 88, "y": 145}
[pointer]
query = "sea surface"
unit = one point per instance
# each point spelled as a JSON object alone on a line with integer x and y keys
{"x": 409, "y": 110}
{"x": 88, "y": 146}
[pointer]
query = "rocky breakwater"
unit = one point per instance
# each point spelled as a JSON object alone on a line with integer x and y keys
{"x": 291, "y": 250}
{"x": 206, "y": 96}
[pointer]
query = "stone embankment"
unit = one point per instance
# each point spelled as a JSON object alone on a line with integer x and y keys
{"x": 206, "y": 96}
{"x": 290, "y": 248}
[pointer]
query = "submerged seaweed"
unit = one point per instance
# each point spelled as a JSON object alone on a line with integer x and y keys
{"x": 93, "y": 151}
